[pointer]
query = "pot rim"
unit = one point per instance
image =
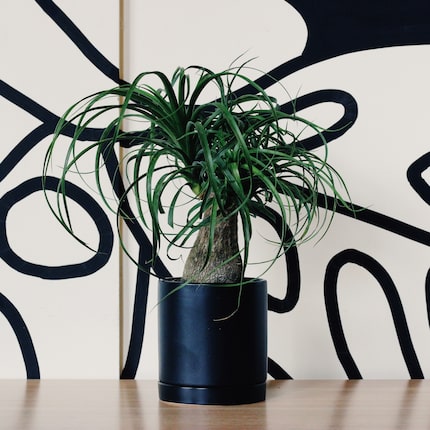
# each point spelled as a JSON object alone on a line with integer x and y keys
{"x": 246, "y": 281}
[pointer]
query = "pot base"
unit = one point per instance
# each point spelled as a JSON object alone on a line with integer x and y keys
{"x": 229, "y": 395}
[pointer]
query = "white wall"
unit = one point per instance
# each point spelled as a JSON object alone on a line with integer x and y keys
{"x": 391, "y": 89}
{"x": 75, "y": 323}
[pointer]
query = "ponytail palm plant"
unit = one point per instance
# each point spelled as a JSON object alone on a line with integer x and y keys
{"x": 198, "y": 171}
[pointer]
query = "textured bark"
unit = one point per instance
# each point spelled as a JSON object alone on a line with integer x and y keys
{"x": 225, "y": 247}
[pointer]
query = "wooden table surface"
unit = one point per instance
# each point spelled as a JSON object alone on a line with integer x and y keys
{"x": 298, "y": 404}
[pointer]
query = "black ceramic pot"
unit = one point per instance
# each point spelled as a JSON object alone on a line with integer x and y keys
{"x": 208, "y": 353}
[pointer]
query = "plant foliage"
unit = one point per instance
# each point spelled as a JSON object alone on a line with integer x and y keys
{"x": 232, "y": 156}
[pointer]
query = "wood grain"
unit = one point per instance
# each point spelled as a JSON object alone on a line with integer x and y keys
{"x": 310, "y": 404}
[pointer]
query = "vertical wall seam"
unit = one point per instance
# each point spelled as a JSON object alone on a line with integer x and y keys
{"x": 120, "y": 253}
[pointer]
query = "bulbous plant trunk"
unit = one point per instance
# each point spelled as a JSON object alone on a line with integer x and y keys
{"x": 224, "y": 265}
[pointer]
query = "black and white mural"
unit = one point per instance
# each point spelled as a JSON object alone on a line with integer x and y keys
{"x": 356, "y": 304}
{"x": 59, "y": 303}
